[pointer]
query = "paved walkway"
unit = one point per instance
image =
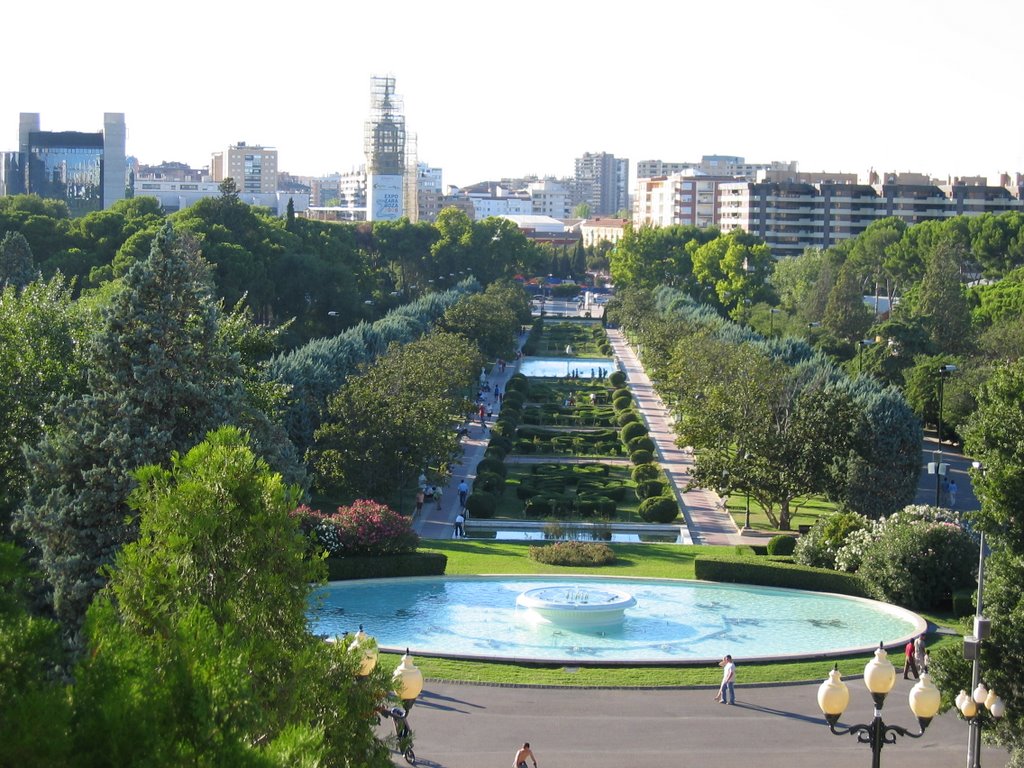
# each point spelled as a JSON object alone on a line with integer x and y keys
{"x": 475, "y": 726}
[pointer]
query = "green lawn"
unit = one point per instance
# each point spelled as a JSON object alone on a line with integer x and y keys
{"x": 640, "y": 560}
{"x": 804, "y": 511}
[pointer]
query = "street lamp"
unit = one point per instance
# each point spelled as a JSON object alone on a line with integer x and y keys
{"x": 408, "y": 681}
{"x": 940, "y": 468}
{"x": 366, "y": 646}
{"x": 879, "y": 677}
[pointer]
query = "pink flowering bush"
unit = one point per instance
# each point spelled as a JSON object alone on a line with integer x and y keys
{"x": 362, "y": 528}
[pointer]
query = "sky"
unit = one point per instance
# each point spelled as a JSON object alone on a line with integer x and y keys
{"x": 495, "y": 90}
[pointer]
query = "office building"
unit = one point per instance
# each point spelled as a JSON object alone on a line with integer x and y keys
{"x": 254, "y": 168}
{"x": 87, "y": 170}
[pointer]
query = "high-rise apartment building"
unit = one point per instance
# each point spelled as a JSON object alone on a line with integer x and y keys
{"x": 718, "y": 165}
{"x": 601, "y": 182}
{"x": 254, "y": 168}
{"x": 686, "y": 198}
{"x": 89, "y": 171}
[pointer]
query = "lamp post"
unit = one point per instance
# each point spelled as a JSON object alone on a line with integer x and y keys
{"x": 879, "y": 677}
{"x": 408, "y": 681}
{"x": 940, "y": 470}
{"x": 746, "y": 522}
{"x": 366, "y": 646}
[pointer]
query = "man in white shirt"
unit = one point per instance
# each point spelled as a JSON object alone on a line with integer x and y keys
{"x": 727, "y": 691}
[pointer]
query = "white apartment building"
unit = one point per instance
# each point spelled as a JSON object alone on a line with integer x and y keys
{"x": 254, "y": 168}
{"x": 717, "y": 165}
{"x": 550, "y": 198}
{"x": 593, "y": 231}
{"x": 685, "y": 198}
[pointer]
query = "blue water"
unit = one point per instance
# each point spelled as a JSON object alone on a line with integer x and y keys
{"x": 563, "y": 366}
{"x": 477, "y": 617}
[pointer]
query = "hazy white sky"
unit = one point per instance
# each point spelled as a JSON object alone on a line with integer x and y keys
{"x": 506, "y": 89}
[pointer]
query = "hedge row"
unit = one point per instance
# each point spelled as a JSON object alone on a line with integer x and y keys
{"x": 381, "y": 567}
{"x": 773, "y": 573}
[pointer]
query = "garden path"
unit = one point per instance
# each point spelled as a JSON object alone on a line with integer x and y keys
{"x": 702, "y": 508}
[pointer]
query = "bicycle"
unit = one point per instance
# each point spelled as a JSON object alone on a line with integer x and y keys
{"x": 401, "y": 742}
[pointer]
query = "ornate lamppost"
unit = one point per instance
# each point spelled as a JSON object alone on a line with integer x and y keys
{"x": 408, "y": 681}
{"x": 367, "y": 646}
{"x": 879, "y": 677}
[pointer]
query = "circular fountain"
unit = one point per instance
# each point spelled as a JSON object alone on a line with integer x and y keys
{"x": 576, "y": 606}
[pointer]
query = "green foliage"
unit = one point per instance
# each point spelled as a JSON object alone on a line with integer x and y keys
{"x": 622, "y": 404}
{"x": 159, "y": 377}
{"x": 643, "y": 472}
{"x": 617, "y": 379}
{"x": 940, "y": 302}
{"x": 17, "y": 267}
{"x": 395, "y": 416}
{"x": 641, "y": 457}
{"x": 392, "y": 566}
{"x": 631, "y": 430}
{"x": 361, "y": 529}
{"x": 781, "y": 545}
{"x": 659, "y": 509}
{"x": 648, "y": 488}
{"x": 492, "y": 465}
{"x": 481, "y": 504}
{"x": 819, "y": 546}
{"x": 767, "y": 573}
{"x": 627, "y": 417}
{"x": 846, "y": 316}
{"x": 578, "y": 554}
{"x": 919, "y": 565}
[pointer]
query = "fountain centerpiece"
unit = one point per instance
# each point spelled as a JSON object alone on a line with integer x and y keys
{"x": 576, "y": 606}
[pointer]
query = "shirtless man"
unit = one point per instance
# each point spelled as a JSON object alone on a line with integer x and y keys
{"x": 524, "y": 754}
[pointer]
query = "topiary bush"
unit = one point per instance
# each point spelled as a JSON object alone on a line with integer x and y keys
{"x": 622, "y": 404}
{"x": 781, "y": 545}
{"x": 620, "y": 393}
{"x": 617, "y": 379}
{"x": 920, "y": 565}
{"x": 490, "y": 482}
{"x": 659, "y": 509}
{"x": 627, "y": 417}
{"x": 634, "y": 429}
{"x": 579, "y": 554}
{"x": 641, "y": 457}
{"x": 649, "y": 488}
{"x": 492, "y": 465}
{"x": 642, "y": 443}
{"x": 481, "y": 504}
{"x": 643, "y": 472}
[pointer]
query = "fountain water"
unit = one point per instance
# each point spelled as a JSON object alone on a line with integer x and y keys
{"x": 576, "y": 606}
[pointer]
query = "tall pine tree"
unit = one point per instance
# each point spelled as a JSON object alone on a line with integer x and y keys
{"x": 159, "y": 379}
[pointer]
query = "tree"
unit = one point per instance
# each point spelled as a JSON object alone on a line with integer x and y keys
{"x": 158, "y": 378}
{"x": 200, "y": 651}
{"x": 734, "y": 266}
{"x": 17, "y": 267}
{"x": 647, "y": 256}
{"x": 397, "y": 416}
{"x": 846, "y": 316}
{"x": 581, "y": 211}
{"x": 940, "y": 303}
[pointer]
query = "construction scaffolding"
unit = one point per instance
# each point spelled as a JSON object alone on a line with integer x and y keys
{"x": 411, "y": 185}
{"x": 384, "y": 136}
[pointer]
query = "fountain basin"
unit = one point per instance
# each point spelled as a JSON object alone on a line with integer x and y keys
{"x": 576, "y": 606}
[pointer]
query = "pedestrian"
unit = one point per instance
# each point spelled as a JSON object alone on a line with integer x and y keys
{"x": 422, "y": 480}
{"x": 920, "y": 653}
{"x": 523, "y": 754}
{"x": 463, "y": 492}
{"x": 497, "y": 393}
{"x": 437, "y": 497}
{"x": 727, "y": 690}
{"x": 419, "y": 500}
{"x": 460, "y": 531}
{"x": 482, "y": 412}
{"x": 910, "y": 663}
{"x": 952, "y": 493}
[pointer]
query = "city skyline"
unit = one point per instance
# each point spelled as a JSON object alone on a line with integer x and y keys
{"x": 899, "y": 86}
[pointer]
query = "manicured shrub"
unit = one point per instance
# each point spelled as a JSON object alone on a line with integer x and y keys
{"x": 622, "y": 403}
{"x": 643, "y": 472}
{"x": 362, "y": 528}
{"x": 606, "y": 506}
{"x": 518, "y": 383}
{"x": 481, "y": 504}
{"x": 781, "y": 545}
{"x": 525, "y": 491}
{"x": 634, "y": 429}
{"x": 496, "y": 453}
{"x": 617, "y": 379}
{"x": 659, "y": 509}
{"x": 490, "y": 482}
{"x": 818, "y": 547}
{"x": 627, "y": 417}
{"x": 768, "y": 573}
{"x": 641, "y": 457}
{"x": 492, "y": 465}
{"x": 649, "y": 488}
{"x": 642, "y": 443}
{"x": 497, "y": 441}
{"x": 378, "y": 567}
{"x": 920, "y": 565}
{"x": 620, "y": 393}
{"x": 578, "y": 554}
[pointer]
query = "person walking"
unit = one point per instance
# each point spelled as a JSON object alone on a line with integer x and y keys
{"x": 523, "y": 754}
{"x": 420, "y": 495}
{"x": 727, "y": 690}
{"x": 951, "y": 490}
{"x": 920, "y": 654}
{"x": 437, "y": 497}
{"x": 910, "y": 662}
{"x": 460, "y": 522}
{"x": 463, "y": 492}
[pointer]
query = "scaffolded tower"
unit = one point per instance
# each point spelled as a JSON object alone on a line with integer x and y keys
{"x": 412, "y": 180}
{"x": 385, "y": 152}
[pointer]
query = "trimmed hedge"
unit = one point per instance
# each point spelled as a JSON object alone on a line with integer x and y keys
{"x": 659, "y": 509}
{"x": 481, "y": 504}
{"x": 385, "y": 566}
{"x": 781, "y": 545}
{"x": 617, "y": 379}
{"x": 622, "y": 403}
{"x": 492, "y": 465}
{"x": 643, "y": 472}
{"x": 773, "y": 573}
{"x": 642, "y": 443}
{"x": 641, "y": 457}
{"x": 580, "y": 554}
{"x": 628, "y": 417}
{"x": 631, "y": 430}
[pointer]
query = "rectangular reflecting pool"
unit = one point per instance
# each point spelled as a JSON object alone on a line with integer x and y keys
{"x": 551, "y": 367}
